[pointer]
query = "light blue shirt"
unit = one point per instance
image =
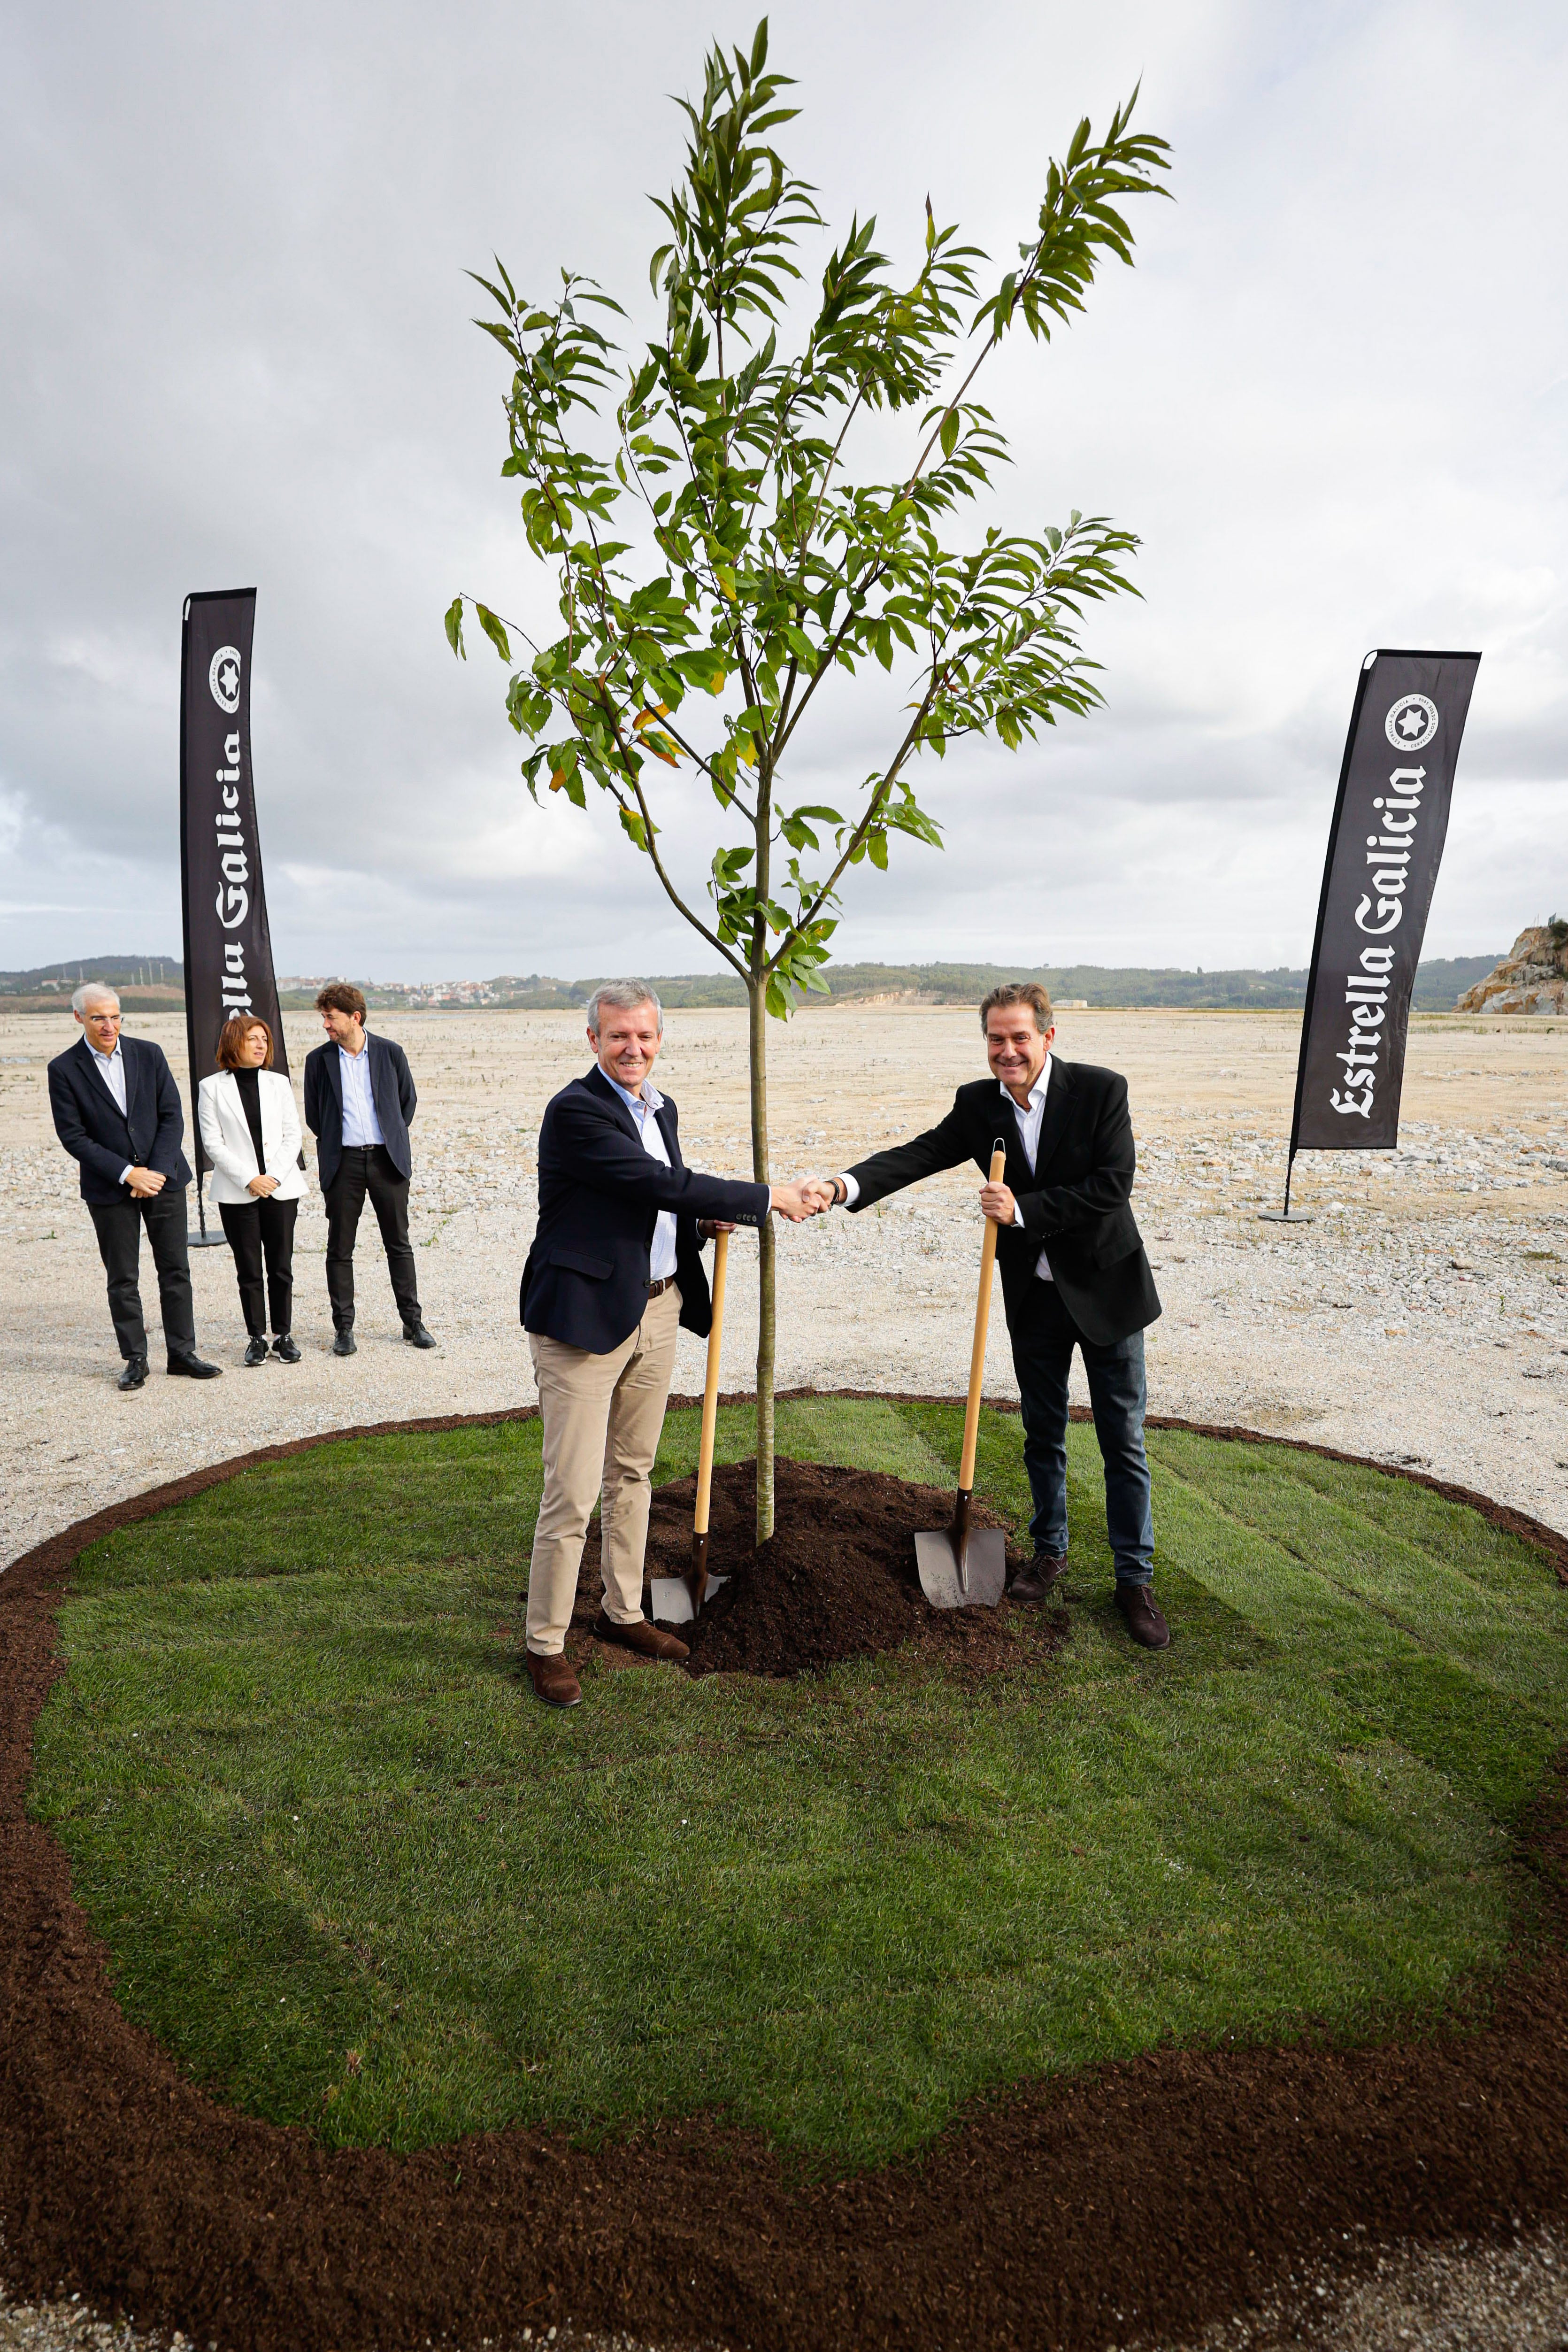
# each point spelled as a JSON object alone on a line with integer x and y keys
{"x": 112, "y": 1070}
{"x": 644, "y": 1109}
{"x": 360, "y": 1124}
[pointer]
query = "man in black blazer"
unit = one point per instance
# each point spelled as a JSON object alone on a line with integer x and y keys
{"x": 117, "y": 1111}
{"x": 614, "y": 1269}
{"x": 359, "y": 1102}
{"x": 1073, "y": 1272}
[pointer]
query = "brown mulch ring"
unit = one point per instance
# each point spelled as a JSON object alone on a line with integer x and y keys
{"x": 836, "y": 1580}
{"x": 1138, "y": 2200}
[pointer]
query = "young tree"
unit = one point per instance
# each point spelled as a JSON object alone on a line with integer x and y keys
{"x": 759, "y": 564}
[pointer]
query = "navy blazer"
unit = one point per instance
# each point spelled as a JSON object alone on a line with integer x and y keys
{"x": 586, "y": 1281}
{"x": 94, "y": 1129}
{"x": 391, "y": 1091}
{"x": 1074, "y": 1201}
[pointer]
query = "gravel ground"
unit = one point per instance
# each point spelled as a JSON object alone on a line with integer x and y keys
{"x": 1421, "y": 1318}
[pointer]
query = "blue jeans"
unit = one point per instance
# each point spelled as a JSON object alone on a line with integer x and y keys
{"x": 1043, "y": 1337}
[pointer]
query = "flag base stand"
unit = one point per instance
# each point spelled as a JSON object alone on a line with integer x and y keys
{"x": 204, "y": 1240}
{"x": 1287, "y": 1215}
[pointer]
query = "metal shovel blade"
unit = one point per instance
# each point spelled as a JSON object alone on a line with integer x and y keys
{"x": 670, "y": 1598}
{"x": 977, "y": 1583}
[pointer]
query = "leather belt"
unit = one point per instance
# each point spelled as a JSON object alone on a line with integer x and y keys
{"x": 657, "y": 1289}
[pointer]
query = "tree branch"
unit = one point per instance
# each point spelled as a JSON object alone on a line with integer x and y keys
{"x": 878, "y": 800}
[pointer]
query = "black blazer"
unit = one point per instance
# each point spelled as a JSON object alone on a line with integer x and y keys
{"x": 1073, "y": 1200}
{"x": 586, "y": 1281}
{"x": 391, "y": 1091}
{"x": 94, "y": 1129}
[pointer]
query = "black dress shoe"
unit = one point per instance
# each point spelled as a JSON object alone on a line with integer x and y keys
{"x": 417, "y": 1336}
{"x": 286, "y": 1345}
{"x": 134, "y": 1376}
{"x": 343, "y": 1343}
{"x": 256, "y": 1353}
{"x": 1142, "y": 1610}
{"x": 1036, "y": 1581}
{"x": 191, "y": 1368}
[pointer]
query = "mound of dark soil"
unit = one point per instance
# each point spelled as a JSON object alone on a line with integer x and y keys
{"x": 835, "y": 1580}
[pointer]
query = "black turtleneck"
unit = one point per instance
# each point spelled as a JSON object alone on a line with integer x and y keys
{"x": 249, "y": 1084}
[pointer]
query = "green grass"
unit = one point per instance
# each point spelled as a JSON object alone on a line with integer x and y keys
{"x": 349, "y": 1872}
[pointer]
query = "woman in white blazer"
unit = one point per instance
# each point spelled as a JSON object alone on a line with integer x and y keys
{"x": 250, "y": 1132}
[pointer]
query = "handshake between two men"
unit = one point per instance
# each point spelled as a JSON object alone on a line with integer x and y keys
{"x": 616, "y": 1268}
{"x": 817, "y": 1195}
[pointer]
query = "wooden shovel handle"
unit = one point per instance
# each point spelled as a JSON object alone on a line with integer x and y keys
{"x": 982, "y": 1326}
{"x": 710, "y": 1388}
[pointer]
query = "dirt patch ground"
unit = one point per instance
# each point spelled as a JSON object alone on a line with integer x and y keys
{"x": 1135, "y": 2203}
{"x": 836, "y": 1580}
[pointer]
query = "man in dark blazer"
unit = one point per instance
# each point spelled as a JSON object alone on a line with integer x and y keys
{"x": 117, "y": 1111}
{"x": 615, "y": 1268}
{"x": 1073, "y": 1272}
{"x": 359, "y": 1102}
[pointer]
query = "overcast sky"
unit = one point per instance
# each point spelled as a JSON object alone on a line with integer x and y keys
{"x": 1332, "y": 399}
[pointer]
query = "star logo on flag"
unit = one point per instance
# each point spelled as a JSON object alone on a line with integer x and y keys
{"x": 223, "y": 678}
{"x": 1411, "y": 723}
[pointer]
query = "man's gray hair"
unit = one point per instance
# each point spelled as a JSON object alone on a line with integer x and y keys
{"x": 623, "y": 996}
{"x": 81, "y": 997}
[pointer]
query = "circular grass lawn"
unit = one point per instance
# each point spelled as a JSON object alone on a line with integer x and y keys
{"x": 350, "y": 1875}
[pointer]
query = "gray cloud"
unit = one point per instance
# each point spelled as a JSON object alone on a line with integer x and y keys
{"x": 1332, "y": 399}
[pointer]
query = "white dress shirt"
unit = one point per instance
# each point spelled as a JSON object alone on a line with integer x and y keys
{"x": 644, "y": 1109}
{"x": 1028, "y": 1117}
{"x": 360, "y": 1124}
{"x": 112, "y": 1070}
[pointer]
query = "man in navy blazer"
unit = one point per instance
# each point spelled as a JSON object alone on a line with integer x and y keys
{"x": 615, "y": 1268}
{"x": 359, "y": 1103}
{"x": 1073, "y": 1270}
{"x": 117, "y": 1111}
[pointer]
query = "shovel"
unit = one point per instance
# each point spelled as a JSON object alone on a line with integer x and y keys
{"x": 963, "y": 1567}
{"x": 676, "y": 1599}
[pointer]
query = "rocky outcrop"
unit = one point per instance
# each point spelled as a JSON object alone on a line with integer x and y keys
{"x": 1532, "y": 978}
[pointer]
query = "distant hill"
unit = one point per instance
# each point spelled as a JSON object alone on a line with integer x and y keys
{"x": 117, "y": 971}
{"x": 148, "y": 983}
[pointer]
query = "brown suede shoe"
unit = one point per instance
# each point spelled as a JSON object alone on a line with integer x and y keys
{"x": 1141, "y": 1612}
{"x": 552, "y": 1679}
{"x": 1035, "y": 1582}
{"x": 648, "y": 1640}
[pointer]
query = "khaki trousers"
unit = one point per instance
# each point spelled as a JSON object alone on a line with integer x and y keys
{"x": 601, "y": 1417}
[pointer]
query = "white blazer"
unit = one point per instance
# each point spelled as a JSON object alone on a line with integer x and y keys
{"x": 226, "y": 1138}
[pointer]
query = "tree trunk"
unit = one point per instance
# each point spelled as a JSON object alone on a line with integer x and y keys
{"x": 764, "y": 1299}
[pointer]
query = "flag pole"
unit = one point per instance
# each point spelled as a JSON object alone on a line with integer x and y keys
{"x": 1287, "y": 1215}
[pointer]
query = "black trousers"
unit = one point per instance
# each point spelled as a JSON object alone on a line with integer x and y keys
{"x": 368, "y": 1167}
{"x": 119, "y": 1227}
{"x": 1044, "y": 1334}
{"x": 257, "y": 1229}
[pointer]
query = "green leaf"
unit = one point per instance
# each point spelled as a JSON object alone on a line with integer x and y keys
{"x": 493, "y": 629}
{"x": 455, "y": 628}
